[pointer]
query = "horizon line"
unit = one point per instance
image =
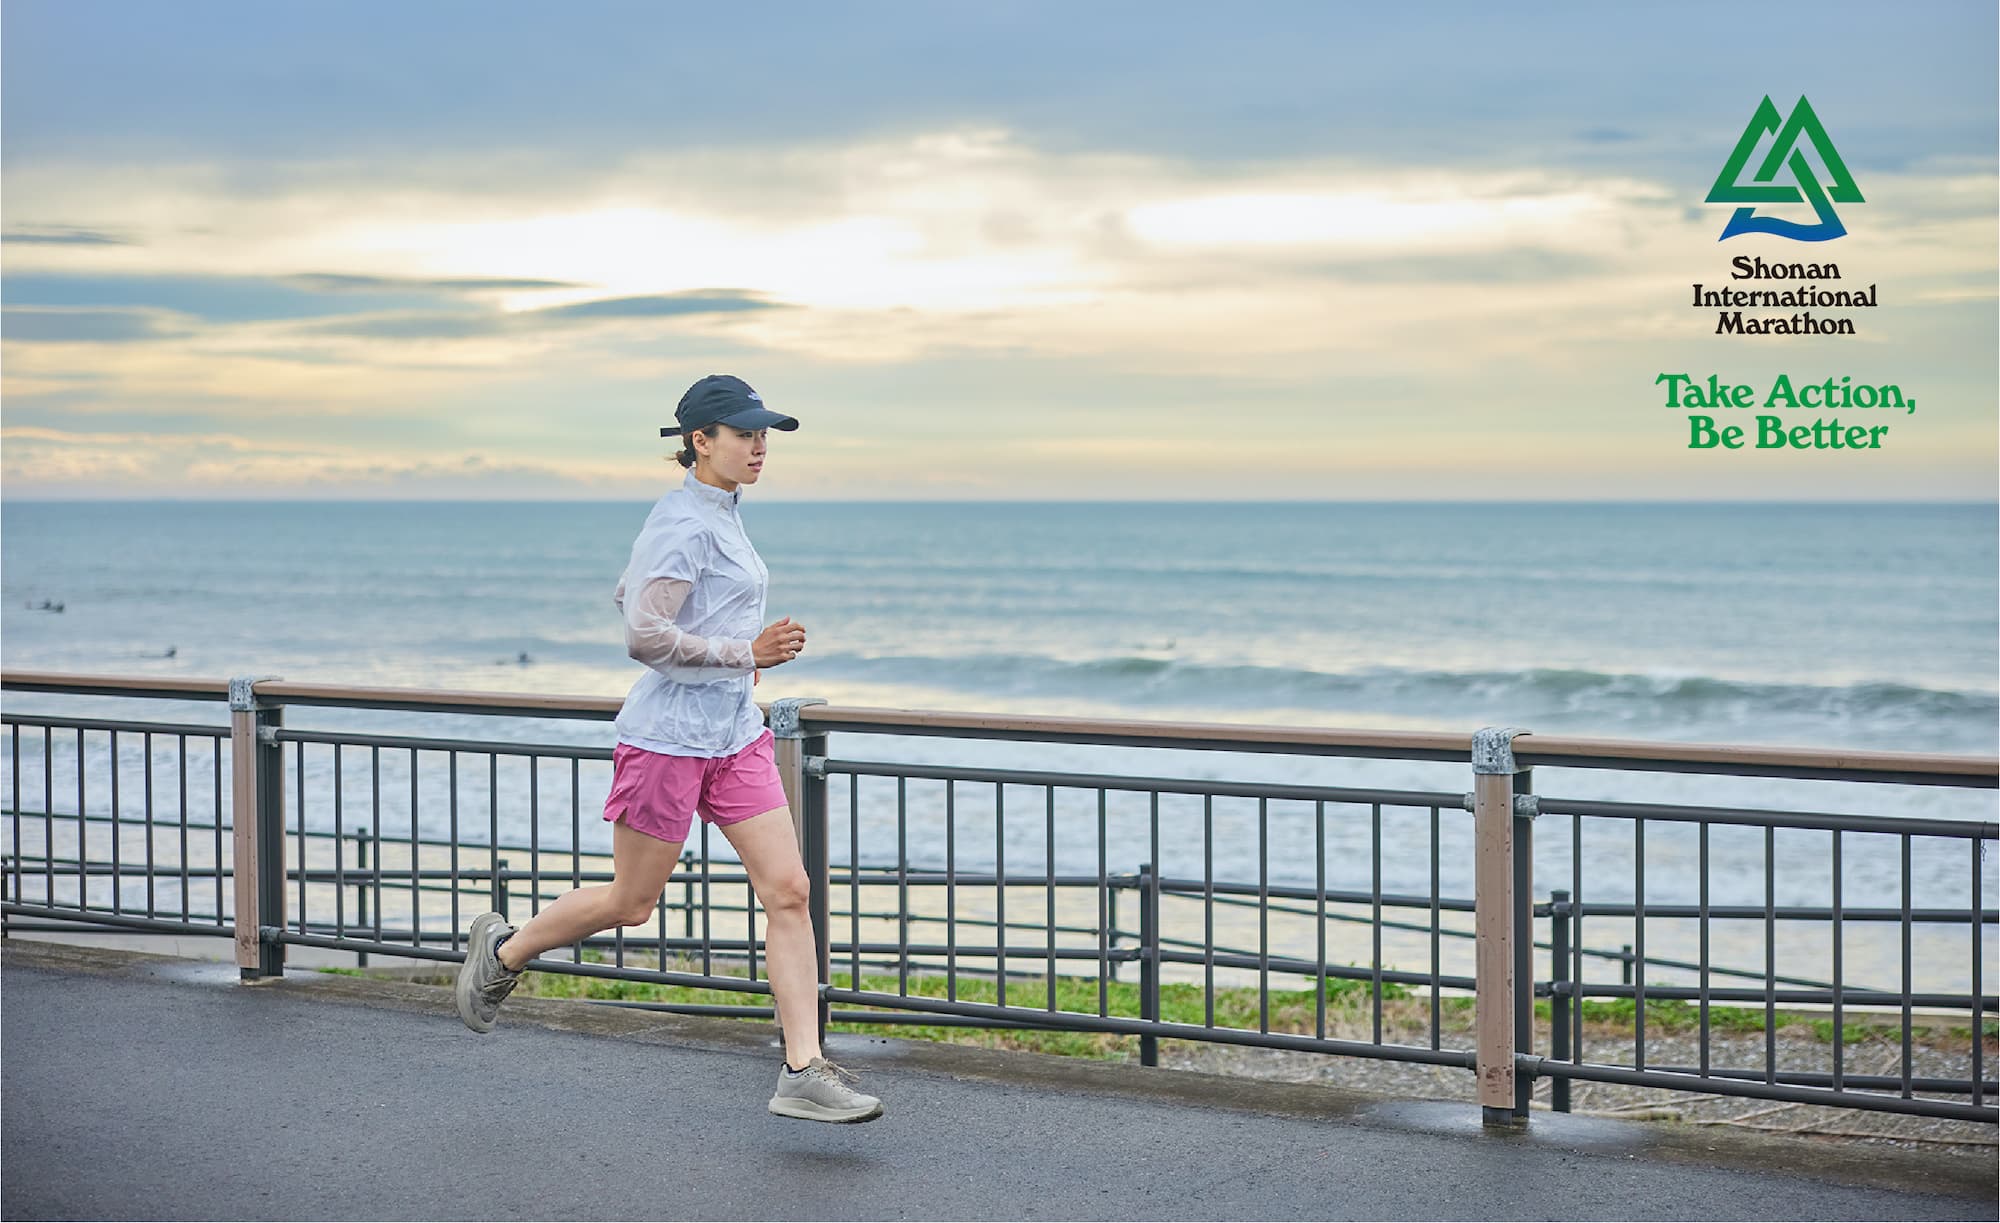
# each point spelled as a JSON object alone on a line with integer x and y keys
{"x": 1930, "y": 501}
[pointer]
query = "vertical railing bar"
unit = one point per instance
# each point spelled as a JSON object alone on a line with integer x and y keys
{"x": 362, "y": 896}
{"x": 375, "y": 834}
{"x": 21, "y": 856}
{"x": 1049, "y": 892}
{"x": 1000, "y": 892}
{"x": 451, "y": 779}
{"x": 1639, "y": 944}
{"x": 1319, "y": 890}
{"x": 660, "y": 932}
{"x": 1437, "y": 920}
{"x": 83, "y": 836}
{"x": 1375, "y": 908}
{"x": 1978, "y": 1000}
{"x": 950, "y": 890}
{"x": 750, "y": 917}
{"x": 1839, "y": 984}
{"x": 1104, "y": 931}
{"x": 854, "y": 880}
{"x": 707, "y": 929}
{"x": 618, "y": 935}
{"x": 499, "y": 885}
{"x": 535, "y": 836}
{"x": 1907, "y": 1071}
{"x": 1770, "y": 955}
{"x": 339, "y": 854}
{"x": 1208, "y": 908}
{"x": 1149, "y": 913}
{"x": 216, "y": 773}
{"x": 576, "y": 857}
{"x": 903, "y": 886}
{"x": 416, "y": 878}
{"x": 117, "y": 877}
{"x": 1153, "y": 831}
{"x": 1561, "y": 986}
{"x": 1263, "y": 916}
{"x": 49, "y": 820}
{"x": 1576, "y": 940}
{"x": 1522, "y": 924}
{"x": 183, "y": 780}
{"x": 1702, "y": 883}
{"x": 152, "y": 900}
{"x": 299, "y": 779}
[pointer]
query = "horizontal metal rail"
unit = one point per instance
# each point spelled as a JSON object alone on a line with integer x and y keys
{"x": 1531, "y": 750}
{"x": 216, "y": 924}
{"x": 1144, "y": 785}
{"x": 1714, "y": 1083}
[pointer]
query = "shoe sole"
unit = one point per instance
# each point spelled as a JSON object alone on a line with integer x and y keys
{"x": 464, "y": 992}
{"x": 806, "y": 1110}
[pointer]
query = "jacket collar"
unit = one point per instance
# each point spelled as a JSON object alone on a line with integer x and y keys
{"x": 710, "y": 494}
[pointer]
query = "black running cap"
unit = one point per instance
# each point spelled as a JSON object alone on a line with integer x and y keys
{"x": 728, "y": 400}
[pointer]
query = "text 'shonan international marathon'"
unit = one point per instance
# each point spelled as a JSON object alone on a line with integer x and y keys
{"x": 1729, "y": 303}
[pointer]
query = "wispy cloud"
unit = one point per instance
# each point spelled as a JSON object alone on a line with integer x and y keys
{"x": 56, "y": 235}
{"x": 85, "y": 326}
{"x": 660, "y": 305}
{"x": 330, "y": 282}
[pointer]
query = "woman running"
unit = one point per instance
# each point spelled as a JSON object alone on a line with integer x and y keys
{"x": 691, "y": 740}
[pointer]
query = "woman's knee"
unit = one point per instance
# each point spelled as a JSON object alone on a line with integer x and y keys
{"x": 631, "y": 912}
{"x": 788, "y": 894}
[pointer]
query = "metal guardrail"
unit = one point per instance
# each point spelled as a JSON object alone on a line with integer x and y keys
{"x": 943, "y": 929}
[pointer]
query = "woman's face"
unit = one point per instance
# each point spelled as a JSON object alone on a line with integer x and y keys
{"x": 735, "y": 456}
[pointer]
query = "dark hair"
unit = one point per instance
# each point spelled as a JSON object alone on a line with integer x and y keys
{"x": 687, "y": 455}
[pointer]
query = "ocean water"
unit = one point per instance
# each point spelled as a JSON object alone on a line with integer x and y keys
{"x": 1864, "y": 626}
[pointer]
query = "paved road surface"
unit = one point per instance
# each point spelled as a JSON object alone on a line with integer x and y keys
{"x": 148, "y": 1087}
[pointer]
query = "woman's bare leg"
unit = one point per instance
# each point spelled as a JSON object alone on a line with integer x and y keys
{"x": 640, "y": 868}
{"x": 769, "y": 848}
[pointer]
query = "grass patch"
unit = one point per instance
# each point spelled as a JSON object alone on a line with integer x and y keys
{"x": 1348, "y": 1003}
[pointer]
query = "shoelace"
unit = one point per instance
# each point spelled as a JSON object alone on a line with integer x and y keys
{"x": 500, "y": 986}
{"x": 837, "y": 1073}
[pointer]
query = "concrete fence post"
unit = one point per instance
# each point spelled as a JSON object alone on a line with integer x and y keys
{"x": 801, "y": 757}
{"x": 1503, "y": 973}
{"x": 257, "y": 813}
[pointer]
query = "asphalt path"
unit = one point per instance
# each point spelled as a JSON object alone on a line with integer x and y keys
{"x": 136, "y": 1086}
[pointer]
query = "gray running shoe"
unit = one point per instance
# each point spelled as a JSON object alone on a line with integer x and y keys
{"x": 822, "y": 1092}
{"x": 482, "y": 980}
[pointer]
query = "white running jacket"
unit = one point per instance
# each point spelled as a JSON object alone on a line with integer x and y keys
{"x": 693, "y": 600}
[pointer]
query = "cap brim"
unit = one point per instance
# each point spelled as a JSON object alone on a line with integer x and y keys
{"x": 755, "y": 418}
{"x": 760, "y": 418}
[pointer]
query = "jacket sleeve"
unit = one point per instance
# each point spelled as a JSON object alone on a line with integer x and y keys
{"x": 652, "y": 637}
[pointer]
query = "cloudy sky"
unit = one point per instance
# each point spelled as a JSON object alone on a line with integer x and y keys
{"x": 988, "y": 251}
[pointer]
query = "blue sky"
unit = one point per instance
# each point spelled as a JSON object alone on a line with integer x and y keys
{"x": 993, "y": 251}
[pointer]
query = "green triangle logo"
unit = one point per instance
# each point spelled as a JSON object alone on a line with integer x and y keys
{"x": 1802, "y": 125}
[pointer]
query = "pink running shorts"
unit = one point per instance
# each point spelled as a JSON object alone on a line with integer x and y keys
{"x": 659, "y": 794}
